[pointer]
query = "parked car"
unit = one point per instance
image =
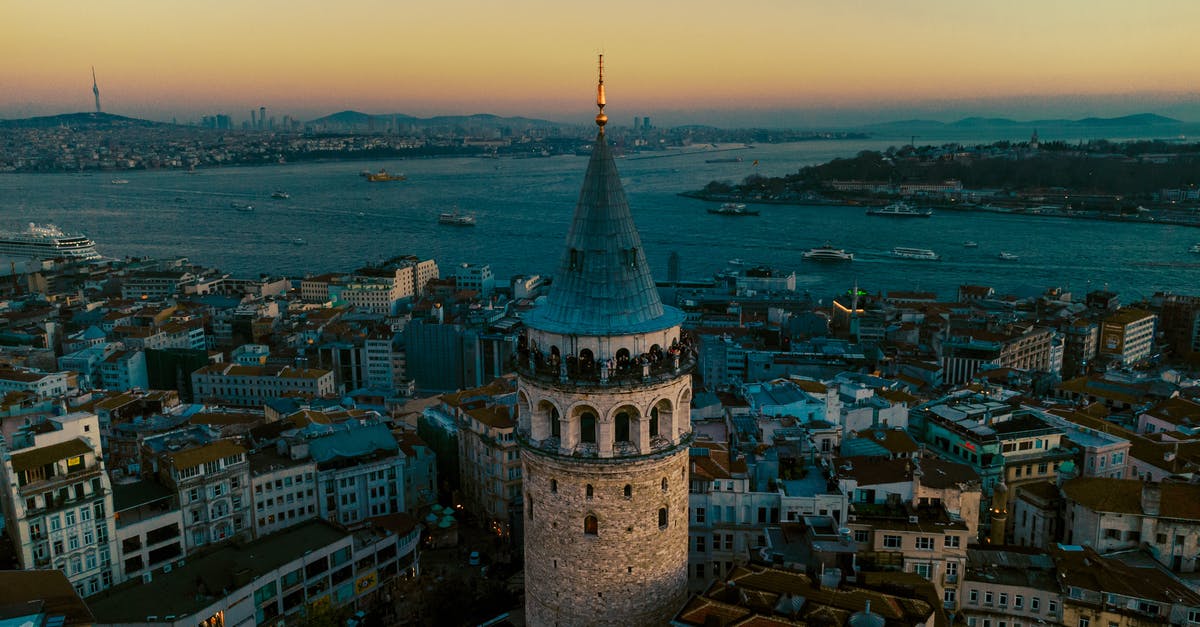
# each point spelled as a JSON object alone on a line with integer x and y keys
{"x": 474, "y": 559}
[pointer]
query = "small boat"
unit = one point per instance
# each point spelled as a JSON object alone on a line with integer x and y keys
{"x": 456, "y": 219}
{"x": 119, "y": 182}
{"x": 299, "y": 241}
{"x": 382, "y": 176}
{"x": 724, "y": 160}
{"x": 737, "y": 261}
{"x": 970, "y": 244}
{"x": 922, "y": 254}
{"x": 1195, "y": 248}
{"x": 827, "y": 253}
{"x": 239, "y": 206}
{"x": 900, "y": 210}
{"x": 280, "y": 195}
{"x": 1007, "y": 256}
{"x": 360, "y": 214}
{"x": 733, "y": 209}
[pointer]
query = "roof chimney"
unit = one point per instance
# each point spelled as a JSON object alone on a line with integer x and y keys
{"x": 1151, "y": 498}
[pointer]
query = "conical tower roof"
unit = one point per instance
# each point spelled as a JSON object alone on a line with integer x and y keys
{"x": 603, "y": 284}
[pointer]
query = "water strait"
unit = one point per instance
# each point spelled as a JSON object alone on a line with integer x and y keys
{"x": 523, "y": 208}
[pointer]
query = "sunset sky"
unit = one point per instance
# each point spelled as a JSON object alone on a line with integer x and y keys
{"x": 857, "y": 59}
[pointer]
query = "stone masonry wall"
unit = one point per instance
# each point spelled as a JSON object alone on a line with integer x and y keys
{"x": 631, "y": 572}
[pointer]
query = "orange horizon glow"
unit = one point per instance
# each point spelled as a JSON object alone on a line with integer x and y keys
{"x": 465, "y": 56}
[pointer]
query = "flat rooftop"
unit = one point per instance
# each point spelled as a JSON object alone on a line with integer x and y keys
{"x": 176, "y": 592}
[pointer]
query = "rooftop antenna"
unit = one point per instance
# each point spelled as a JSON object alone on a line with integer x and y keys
{"x": 95, "y": 89}
{"x": 601, "y": 118}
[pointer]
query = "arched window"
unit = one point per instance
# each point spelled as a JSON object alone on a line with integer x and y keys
{"x": 555, "y": 426}
{"x": 654, "y": 422}
{"x": 662, "y": 518}
{"x": 586, "y": 357}
{"x": 664, "y": 484}
{"x": 589, "y": 491}
{"x": 622, "y": 427}
{"x": 554, "y": 486}
{"x": 628, "y": 491}
{"x": 590, "y": 525}
{"x": 587, "y": 428}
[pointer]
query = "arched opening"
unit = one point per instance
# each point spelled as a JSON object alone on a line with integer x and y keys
{"x": 590, "y": 491}
{"x": 554, "y": 486}
{"x": 587, "y": 360}
{"x": 662, "y": 518}
{"x": 664, "y": 484}
{"x": 545, "y": 421}
{"x": 628, "y": 491}
{"x": 663, "y": 417}
{"x": 554, "y": 354}
{"x": 622, "y": 359}
{"x": 654, "y": 422}
{"x": 622, "y": 427}
{"x": 587, "y": 428}
{"x": 656, "y": 354}
{"x": 591, "y": 526}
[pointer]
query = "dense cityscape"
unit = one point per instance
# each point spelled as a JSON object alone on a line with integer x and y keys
{"x": 411, "y": 442}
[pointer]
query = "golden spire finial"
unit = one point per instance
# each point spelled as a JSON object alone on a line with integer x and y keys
{"x": 601, "y": 119}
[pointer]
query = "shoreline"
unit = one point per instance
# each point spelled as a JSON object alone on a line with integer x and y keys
{"x": 1153, "y": 217}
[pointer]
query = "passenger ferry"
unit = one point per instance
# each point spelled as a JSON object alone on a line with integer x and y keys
{"x": 46, "y": 241}
{"x": 900, "y": 210}
{"x": 827, "y": 253}
{"x": 456, "y": 219}
{"x": 923, "y": 254}
{"x": 733, "y": 209}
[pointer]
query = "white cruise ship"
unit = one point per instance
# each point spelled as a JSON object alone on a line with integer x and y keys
{"x": 46, "y": 241}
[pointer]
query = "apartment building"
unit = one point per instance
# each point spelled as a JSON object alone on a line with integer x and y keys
{"x": 1127, "y": 336}
{"x": 252, "y": 386}
{"x": 212, "y": 484}
{"x": 58, "y": 503}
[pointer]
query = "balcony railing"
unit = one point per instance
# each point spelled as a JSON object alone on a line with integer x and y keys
{"x": 589, "y": 373}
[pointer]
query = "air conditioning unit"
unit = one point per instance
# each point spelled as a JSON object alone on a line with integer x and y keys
{"x": 167, "y": 568}
{"x": 179, "y": 564}
{"x": 913, "y": 519}
{"x": 146, "y": 577}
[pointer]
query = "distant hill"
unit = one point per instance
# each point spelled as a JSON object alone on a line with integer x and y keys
{"x": 972, "y": 123}
{"x": 358, "y": 119}
{"x": 80, "y": 120}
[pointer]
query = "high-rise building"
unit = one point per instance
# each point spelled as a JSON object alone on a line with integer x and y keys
{"x": 262, "y": 118}
{"x": 603, "y": 399}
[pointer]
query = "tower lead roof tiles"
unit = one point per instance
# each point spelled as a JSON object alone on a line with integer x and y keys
{"x": 603, "y": 285}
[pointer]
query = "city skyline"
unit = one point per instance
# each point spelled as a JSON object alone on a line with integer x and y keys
{"x": 768, "y": 64}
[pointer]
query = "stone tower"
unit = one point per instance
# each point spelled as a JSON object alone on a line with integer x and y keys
{"x": 604, "y": 398}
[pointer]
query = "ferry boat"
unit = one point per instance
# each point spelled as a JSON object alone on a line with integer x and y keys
{"x": 382, "y": 176}
{"x": 456, "y": 219}
{"x": 900, "y": 210}
{"x": 279, "y": 195}
{"x": 733, "y": 209}
{"x": 240, "y": 206}
{"x": 1007, "y": 256}
{"x": 923, "y": 254}
{"x": 827, "y": 253}
{"x": 46, "y": 241}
